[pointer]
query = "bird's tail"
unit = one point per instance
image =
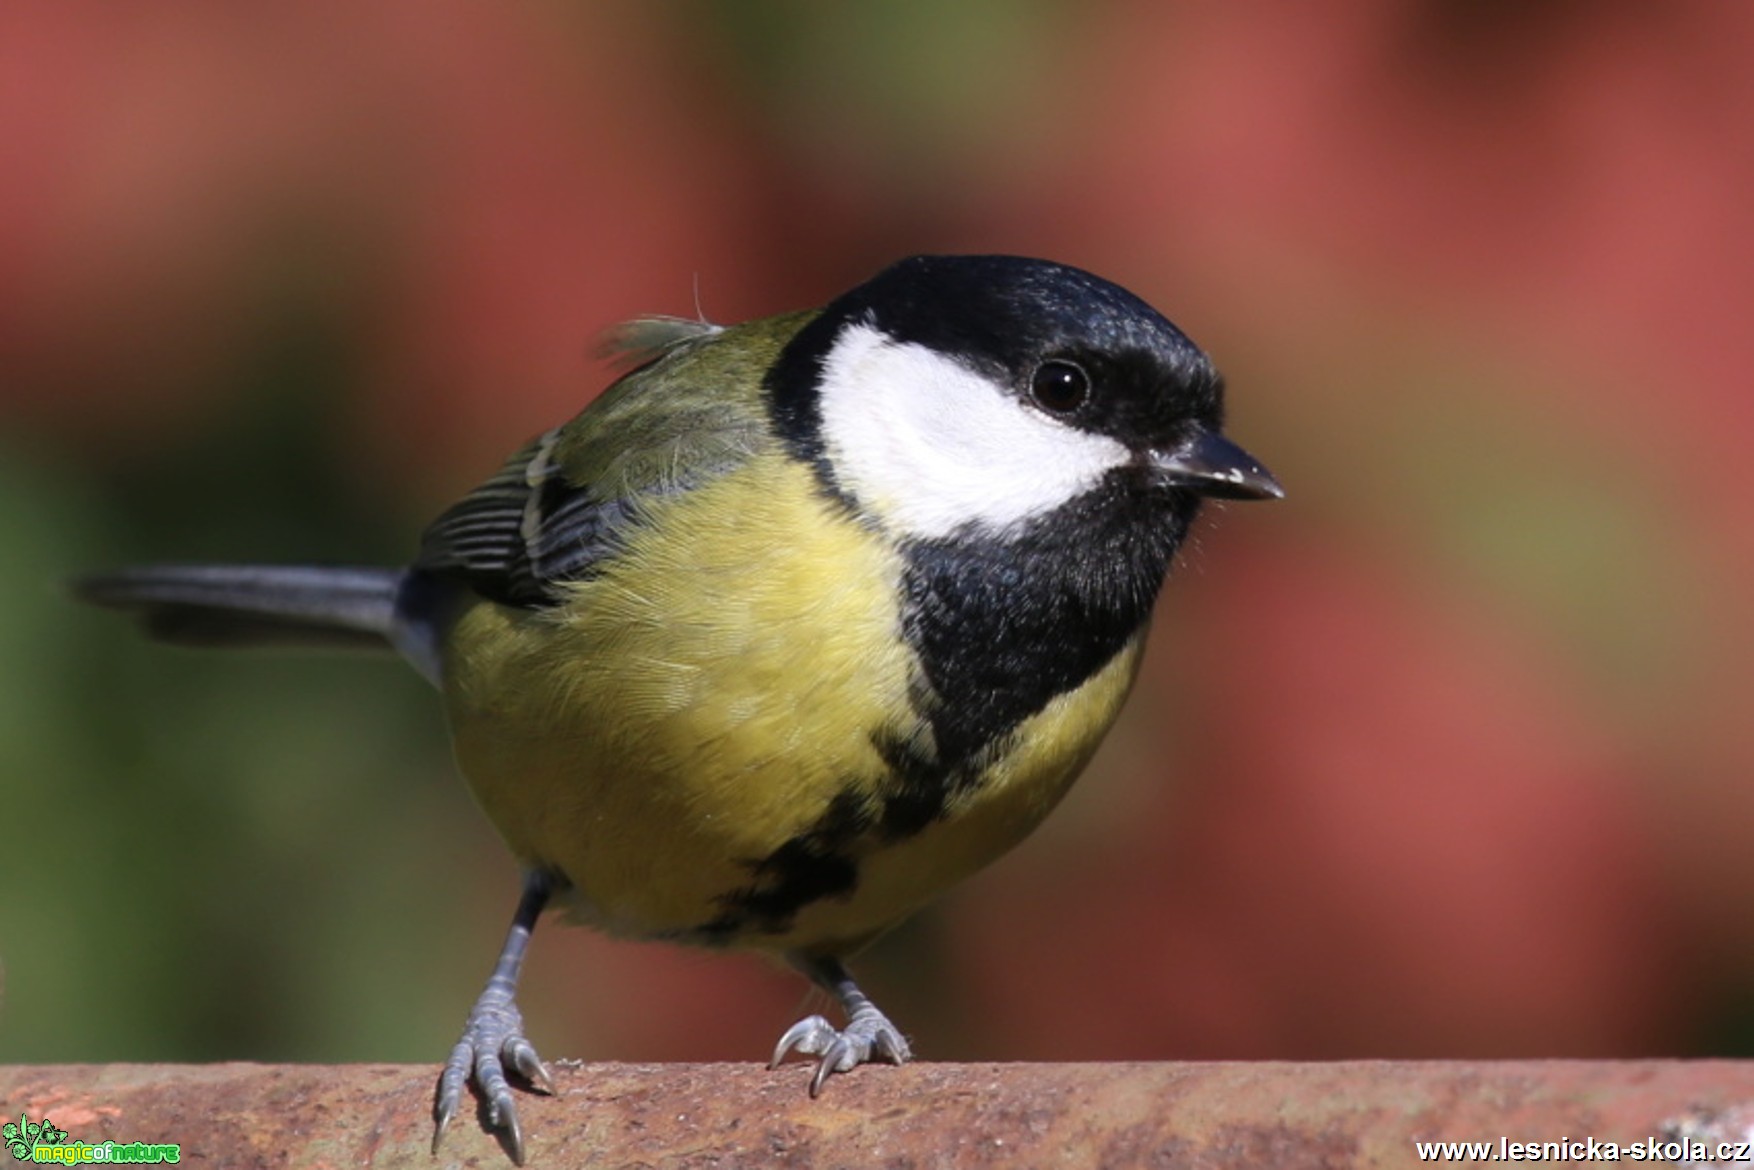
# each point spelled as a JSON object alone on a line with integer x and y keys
{"x": 255, "y": 605}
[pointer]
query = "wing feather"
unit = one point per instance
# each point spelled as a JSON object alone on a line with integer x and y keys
{"x": 566, "y": 501}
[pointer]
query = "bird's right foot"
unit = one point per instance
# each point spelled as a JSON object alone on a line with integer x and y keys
{"x": 493, "y": 1041}
{"x": 493, "y": 1036}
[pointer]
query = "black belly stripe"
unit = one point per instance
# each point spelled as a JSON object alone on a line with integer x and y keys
{"x": 813, "y": 865}
{"x": 920, "y": 785}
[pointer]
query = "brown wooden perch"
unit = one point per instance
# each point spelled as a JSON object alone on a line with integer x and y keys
{"x": 1257, "y": 1115}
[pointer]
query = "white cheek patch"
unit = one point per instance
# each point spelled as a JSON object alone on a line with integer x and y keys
{"x": 930, "y": 446}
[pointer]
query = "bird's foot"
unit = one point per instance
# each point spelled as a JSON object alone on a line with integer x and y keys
{"x": 493, "y": 1041}
{"x": 868, "y": 1036}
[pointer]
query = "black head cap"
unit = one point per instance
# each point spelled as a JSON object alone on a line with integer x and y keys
{"x": 1081, "y": 347}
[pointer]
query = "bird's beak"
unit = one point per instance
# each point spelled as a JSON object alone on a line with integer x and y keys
{"x": 1212, "y": 465}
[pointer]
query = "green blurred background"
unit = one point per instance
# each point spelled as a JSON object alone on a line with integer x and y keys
{"x": 1447, "y": 755}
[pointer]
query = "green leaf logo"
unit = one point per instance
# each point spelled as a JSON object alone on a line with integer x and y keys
{"x": 22, "y": 1139}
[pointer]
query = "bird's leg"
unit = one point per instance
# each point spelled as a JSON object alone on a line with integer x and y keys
{"x": 868, "y": 1035}
{"x": 493, "y": 1035}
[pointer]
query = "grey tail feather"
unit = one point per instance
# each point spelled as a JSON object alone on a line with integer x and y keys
{"x": 253, "y": 605}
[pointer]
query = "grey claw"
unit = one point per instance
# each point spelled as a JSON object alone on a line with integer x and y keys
{"x": 831, "y": 1061}
{"x": 450, "y": 1089}
{"x": 869, "y": 1035}
{"x": 521, "y": 1054}
{"x": 810, "y": 1036}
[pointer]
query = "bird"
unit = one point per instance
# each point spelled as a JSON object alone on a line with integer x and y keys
{"x": 798, "y": 623}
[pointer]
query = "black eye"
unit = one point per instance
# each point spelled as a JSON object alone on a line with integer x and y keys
{"x": 1059, "y": 387}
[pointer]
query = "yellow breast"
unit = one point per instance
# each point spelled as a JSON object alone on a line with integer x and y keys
{"x": 703, "y": 701}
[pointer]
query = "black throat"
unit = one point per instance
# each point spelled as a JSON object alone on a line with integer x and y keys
{"x": 1003, "y": 626}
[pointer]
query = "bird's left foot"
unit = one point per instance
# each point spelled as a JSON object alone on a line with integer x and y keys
{"x": 868, "y": 1035}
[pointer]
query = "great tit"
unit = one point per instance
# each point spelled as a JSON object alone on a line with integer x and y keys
{"x": 797, "y": 624}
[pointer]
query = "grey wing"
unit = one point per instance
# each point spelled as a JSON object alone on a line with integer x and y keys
{"x": 567, "y": 501}
{"x": 526, "y": 530}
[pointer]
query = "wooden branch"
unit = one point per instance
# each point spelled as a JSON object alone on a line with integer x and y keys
{"x": 1268, "y": 1115}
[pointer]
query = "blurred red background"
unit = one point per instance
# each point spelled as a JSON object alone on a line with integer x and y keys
{"x": 1447, "y": 755}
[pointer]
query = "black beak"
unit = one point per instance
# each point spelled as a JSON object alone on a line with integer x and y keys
{"x": 1212, "y": 465}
